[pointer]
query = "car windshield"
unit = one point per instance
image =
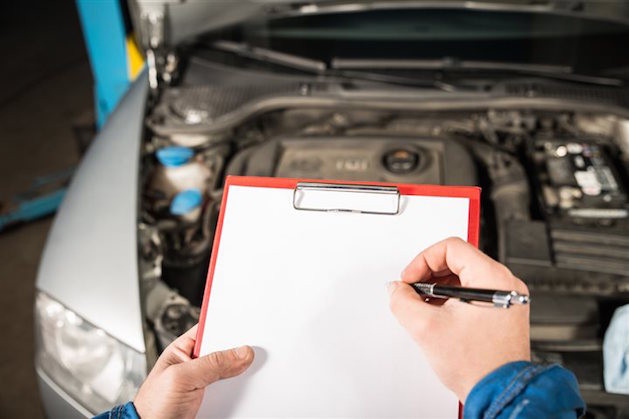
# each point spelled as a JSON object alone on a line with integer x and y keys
{"x": 568, "y": 43}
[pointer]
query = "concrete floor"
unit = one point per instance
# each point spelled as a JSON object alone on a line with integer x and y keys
{"x": 45, "y": 85}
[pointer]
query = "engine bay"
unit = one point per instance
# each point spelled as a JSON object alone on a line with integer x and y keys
{"x": 554, "y": 184}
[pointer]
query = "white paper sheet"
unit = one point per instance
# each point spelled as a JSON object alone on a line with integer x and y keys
{"x": 307, "y": 291}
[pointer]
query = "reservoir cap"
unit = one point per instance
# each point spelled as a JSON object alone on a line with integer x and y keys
{"x": 174, "y": 156}
{"x": 186, "y": 201}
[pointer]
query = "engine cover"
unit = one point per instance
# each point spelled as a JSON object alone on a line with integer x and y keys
{"x": 405, "y": 160}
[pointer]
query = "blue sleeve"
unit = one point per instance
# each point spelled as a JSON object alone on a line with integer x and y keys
{"x": 126, "y": 411}
{"x": 524, "y": 390}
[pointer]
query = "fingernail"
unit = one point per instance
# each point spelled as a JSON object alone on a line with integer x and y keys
{"x": 242, "y": 352}
{"x": 390, "y": 287}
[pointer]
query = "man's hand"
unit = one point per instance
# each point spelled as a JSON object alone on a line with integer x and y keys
{"x": 463, "y": 342}
{"x": 174, "y": 387}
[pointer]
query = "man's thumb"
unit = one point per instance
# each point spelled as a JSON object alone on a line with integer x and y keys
{"x": 207, "y": 369}
{"x": 409, "y": 308}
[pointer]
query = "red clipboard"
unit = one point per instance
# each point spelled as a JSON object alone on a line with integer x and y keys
{"x": 470, "y": 192}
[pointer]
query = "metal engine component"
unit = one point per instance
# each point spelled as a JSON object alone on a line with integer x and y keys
{"x": 622, "y": 136}
{"x": 578, "y": 179}
{"x": 509, "y": 192}
{"x": 170, "y": 313}
{"x": 579, "y": 243}
{"x": 175, "y": 317}
{"x": 408, "y": 160}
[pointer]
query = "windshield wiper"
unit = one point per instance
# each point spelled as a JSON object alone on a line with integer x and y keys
{"x": 295, "y": 62}
{"x": 320, "y": 68}
{"x": 563, "y": 73}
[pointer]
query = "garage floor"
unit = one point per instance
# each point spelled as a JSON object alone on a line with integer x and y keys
{"x": 45, "y": 85}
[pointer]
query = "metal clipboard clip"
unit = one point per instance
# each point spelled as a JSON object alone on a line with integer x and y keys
{"x": 349, "y": 200}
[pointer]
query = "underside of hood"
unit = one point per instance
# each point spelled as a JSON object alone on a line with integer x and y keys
{"x": 167, "y": 23}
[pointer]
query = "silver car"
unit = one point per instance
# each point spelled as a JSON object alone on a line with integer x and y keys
{"x": 528, "y": 100}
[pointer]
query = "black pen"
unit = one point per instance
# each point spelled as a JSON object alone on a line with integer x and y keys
{"x": 499, "y": 298}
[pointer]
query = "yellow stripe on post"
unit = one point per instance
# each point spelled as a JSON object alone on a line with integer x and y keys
{"x": 135, "y": 61}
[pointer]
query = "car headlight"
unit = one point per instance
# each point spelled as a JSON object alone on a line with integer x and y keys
{"x": 95, "y": 369}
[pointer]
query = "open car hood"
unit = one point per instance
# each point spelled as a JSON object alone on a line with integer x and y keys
{"x": 166, "y": 23}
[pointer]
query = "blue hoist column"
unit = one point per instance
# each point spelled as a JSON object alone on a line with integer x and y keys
{"x": 114, "y": 56}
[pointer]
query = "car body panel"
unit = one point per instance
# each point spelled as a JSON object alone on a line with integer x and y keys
{"x": 57, "y": 403}
{"x": 90, "y": 262}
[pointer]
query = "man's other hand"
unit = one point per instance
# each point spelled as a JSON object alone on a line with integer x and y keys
{"x": 174, "y": 387}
